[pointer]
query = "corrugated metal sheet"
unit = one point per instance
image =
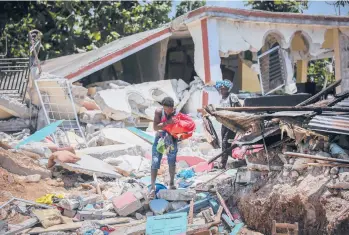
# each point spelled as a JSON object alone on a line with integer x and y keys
{"x": 68, "y": 66}
{"x": 337, "y": 123}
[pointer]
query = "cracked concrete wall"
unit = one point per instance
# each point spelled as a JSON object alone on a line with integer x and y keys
{"x": 227, "y": 37}
{"x": 195, "y": 32}
{"x": 242, "y": 36}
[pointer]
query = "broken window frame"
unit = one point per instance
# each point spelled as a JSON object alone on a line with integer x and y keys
{"x": 283, "y": 69}
{"x": 14, "y": 77}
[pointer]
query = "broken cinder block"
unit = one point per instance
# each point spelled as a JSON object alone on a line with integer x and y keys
{"x": 126, "y": 204}
{"x": 73, "y": 204}
{"x": 94, "y": 215}
{"x": 69, "y": 213}
{"x": 177, "y": 194}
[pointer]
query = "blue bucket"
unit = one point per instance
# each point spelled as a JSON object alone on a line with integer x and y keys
{"x": 158, "y": 187}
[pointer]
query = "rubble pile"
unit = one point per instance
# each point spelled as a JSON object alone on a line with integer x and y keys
{"x": 296, "y": 170}
{"x": 94, "y": 176}
{"x": 71, "y": 197}
{"x": 102, "y": 187}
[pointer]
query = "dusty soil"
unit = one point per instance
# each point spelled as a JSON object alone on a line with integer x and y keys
{"x": 305, "y": 200}
{"x": 12, "y": 186}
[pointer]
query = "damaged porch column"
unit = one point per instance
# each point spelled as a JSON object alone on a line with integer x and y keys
{"x": 206, "y": 54}
{"x": 341, "y": 52}
{"x": 302, "y": 68}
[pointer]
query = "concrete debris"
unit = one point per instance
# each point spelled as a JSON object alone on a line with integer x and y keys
{"x": 12, "y": 107}
{"x": 91, "y": 215}
{"x": 38, "y": 148}
{"x": 114, "y": 136}
{"x": 89, "y": 165}
{"x": 131, "y": 164}
{"x": 20, "y": 164}
{"x": 15, "y": 124}
{"x": 126, "y": 204}
{"x": 32, "y": 178}
{"x": 283, "y": 165}
{"x": 177, "y": 194}
{"x": 111, "y": 151}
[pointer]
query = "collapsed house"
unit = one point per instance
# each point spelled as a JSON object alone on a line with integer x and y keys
{"x": 100, "y": 99}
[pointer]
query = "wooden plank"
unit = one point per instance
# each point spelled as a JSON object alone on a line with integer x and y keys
{"x": 303, "y": 155}
{"x": 221, "y": 200}
{"x": 284, "y": 108}
{"x": 318, "y": 164}
{"x": 191, "y": 212}
{"x": 74, "y": 226}
{"x": 285, "y": 225}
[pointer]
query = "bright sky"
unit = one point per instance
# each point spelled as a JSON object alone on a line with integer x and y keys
{"x": 315, "y": 7}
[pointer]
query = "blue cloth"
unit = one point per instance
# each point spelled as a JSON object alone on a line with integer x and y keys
{"x": 184, "y": 184}
{"x": 156, "y": 156}
{"x": 225, "y": 83}
{"x": 186, "y": 173}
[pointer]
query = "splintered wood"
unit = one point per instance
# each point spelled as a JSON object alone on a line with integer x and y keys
{"x": 191, "y": 212}
{"x": 221, "y": 200}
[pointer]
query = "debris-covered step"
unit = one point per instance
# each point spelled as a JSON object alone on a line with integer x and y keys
{"x": 176, "y": 194}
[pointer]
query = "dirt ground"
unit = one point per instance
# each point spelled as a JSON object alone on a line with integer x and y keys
{"x": 12, "y": 186}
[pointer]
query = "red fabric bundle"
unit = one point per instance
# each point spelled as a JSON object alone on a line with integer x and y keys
{"x": 182, "y": 128}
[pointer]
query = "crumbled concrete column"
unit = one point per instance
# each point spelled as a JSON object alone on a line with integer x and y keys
{"x": 15, "y": 108}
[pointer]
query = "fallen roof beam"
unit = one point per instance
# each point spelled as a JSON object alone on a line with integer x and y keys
{"x": 284, "y": 108}
{"x": 323, "y": 92}
{"x": 302, "y": 155}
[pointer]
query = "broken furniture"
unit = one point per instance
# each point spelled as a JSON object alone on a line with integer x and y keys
{"x": 292, "y": 229}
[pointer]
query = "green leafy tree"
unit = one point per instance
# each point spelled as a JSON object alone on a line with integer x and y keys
{"x": 186, "y": 6}
{"x": 279, "y": 5}
{"x": 320, "y": 70}
{"x": 72, "y": 26}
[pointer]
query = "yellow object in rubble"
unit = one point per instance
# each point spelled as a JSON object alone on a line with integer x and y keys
{"x": 47, "y": 199}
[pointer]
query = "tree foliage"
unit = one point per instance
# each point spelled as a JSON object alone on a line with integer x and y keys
{"x": 279, "y": 5}
{"x": 338, "y": 5}
{"x": 72, "y": 26}
{"x": 186, "y": 6}
{"x": 341, "y": 3}
{"x": 319, "y": 70}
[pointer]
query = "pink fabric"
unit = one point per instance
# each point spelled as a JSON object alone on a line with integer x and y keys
{"x": 240, "y": 152}
{"x": 201, "y": 164}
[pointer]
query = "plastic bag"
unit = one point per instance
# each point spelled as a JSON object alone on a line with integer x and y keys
{"x": 182, "y": 128}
